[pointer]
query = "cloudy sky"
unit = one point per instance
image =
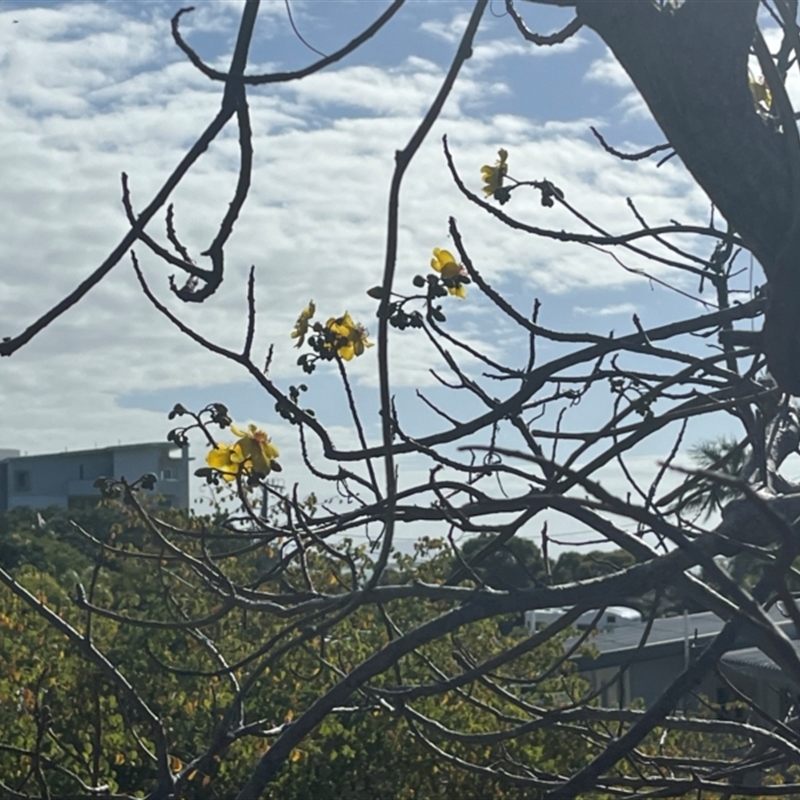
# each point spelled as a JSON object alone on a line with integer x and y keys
{"x": 91, "y": 89}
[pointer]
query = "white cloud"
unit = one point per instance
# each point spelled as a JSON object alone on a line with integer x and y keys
{"x": 81, "y": 103}
{"x": 487, "y": 51}
{"x": 609, "y": 71}
{"x": 606, "y": 311}
{"x": 490, "y": 51}
{"x": 451, "y": 31}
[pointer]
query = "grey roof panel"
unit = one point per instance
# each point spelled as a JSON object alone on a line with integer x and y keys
{"x": 671, "y": 629}
{"x": 752, "y": 657}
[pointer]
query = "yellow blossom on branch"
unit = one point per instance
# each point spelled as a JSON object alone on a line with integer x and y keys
{"x": 762, "y": 96}
{"x": 226, "y": 460}
{"x": 493, "y": 175}
{"x": 351, "y": 338}
{"x": 452, "y": 272}
{"x": 252, "y": 453}
{"x": 301, "y": 326}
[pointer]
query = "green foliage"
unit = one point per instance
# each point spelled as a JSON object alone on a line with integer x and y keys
{"x": 574, "y": 566}
{"x": 516, "y": 564}
{"x": 56, "y": 705}
{"x": 705, "y": 495}
{"x": 60, "y": 708}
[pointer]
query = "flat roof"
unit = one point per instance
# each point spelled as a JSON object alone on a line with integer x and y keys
{"x": 667, "y": 632}
{"x": 163, "y": 445}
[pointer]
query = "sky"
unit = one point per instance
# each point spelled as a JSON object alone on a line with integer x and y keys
{"x": 89, "y": 90}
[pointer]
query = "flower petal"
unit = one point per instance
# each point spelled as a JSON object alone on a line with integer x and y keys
{"x": 459, "y": 291}
{"x": 219, "y": 457}
{"x": 441, "y": 258}
{"x": 450, "y": 269}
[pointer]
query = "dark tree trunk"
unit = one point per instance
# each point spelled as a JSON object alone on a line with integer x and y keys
{"x": 690, "y": 65}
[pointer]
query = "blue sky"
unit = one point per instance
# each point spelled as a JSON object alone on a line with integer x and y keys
{"x": 88, "y": 90}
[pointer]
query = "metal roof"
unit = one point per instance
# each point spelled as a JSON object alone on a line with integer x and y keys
{"x": 751, "y": 661}
{"x": 670, "y": 632}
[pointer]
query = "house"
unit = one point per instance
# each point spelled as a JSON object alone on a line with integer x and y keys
{"x": 624, "y": 668}
{"x": 67, "y": 479}
{"x": 760, "y": 678}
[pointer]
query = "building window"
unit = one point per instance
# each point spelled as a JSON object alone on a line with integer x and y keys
{"x": 22, "y": 480}
{"x": 167, "y": 475}
{"x": 80, "y": 472}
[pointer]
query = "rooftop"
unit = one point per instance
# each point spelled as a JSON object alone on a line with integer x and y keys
{"x": 751, "y": 661}
{"x": 7, "y": 454}
{"x": 672, "y": 632}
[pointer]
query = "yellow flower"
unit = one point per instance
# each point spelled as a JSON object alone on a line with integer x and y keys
{"x": 445, "y": 263}
{"x": 352, "y": 337}
{"x": 301, "y": 326}
{"x": 493, "y": 176}
{"x": 226, "y": 460}
{"x": 458, "y": 290}
{"x": 451, "y": 271}
{"x": 762, "y": 96}
{"x": 252, "y": 452}
{"x": 256, "y": 449}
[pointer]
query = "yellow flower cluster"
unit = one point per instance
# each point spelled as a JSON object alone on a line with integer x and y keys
{"x": 445, "y": 264}
{"x": 253, "y": 453}
{"x": 762, "y": 96}
{"x": 349, "y": 337}
{"x": 352, "y": 337}
{"x": 493, "y": 175}
{"x": 301, "y": 326}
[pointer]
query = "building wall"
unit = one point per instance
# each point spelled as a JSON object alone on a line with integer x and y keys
{"x": 614, "y": 689}
{"x": 650, "y": 678}
{"x": 173, "y": 476}
{"x": 42, "y": 481}
{"x": 645, "y": 680}
{"x": 132, "y": 464}
{"x": 60, "y": 479}
{"x": 651, "y": 669}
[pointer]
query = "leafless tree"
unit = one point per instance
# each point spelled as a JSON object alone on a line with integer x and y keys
{"x": 525, "y": 453}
